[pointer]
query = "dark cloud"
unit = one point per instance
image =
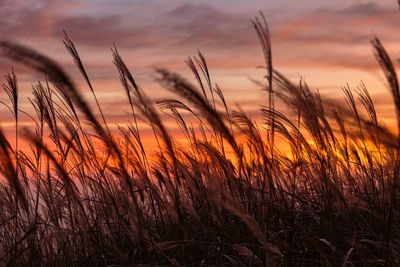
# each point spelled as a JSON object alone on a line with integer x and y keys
{"x": 193, "y": 26}
{"x": 364, "y": 9}
{"x": 351, "y": 25}
{"x": 332, "y": 36}
{"x": 185, "y": 28}
{"x": 19, "y": 21}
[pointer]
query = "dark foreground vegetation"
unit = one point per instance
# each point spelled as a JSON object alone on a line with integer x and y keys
{"x": 86, "y": 196}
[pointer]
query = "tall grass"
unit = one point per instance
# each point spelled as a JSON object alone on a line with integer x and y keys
{"x": 85, "y": 195}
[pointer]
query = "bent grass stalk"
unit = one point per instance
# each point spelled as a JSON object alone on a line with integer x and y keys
{"x": 332, "y": 200}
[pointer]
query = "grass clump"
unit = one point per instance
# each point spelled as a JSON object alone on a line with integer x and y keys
{"x": 85, "y": 195}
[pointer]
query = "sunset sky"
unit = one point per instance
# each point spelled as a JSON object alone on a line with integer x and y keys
{"x": 326, "y": 42}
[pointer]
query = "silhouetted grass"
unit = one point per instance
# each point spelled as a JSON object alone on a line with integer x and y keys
{"x": 86, "y": 196}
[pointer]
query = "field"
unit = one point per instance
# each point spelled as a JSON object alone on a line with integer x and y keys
{"x": 229, "y": 195}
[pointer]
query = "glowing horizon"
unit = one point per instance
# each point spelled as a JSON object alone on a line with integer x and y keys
{"x": 328, "y": 44}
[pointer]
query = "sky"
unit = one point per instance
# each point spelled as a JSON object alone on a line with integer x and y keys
{"x": 325, "y": 42}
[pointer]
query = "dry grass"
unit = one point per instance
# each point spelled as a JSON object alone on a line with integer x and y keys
{"x": 216, "y": 200}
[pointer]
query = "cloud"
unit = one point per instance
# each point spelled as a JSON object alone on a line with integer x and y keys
{"x": 169, "y": 35}
{"x": 185, "y": 26}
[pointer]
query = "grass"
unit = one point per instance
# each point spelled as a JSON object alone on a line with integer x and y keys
{"x": 84, "y": 195}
